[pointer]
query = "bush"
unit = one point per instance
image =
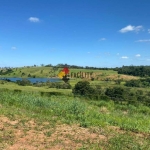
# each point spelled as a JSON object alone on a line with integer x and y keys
{"x": 83, "y": 88}
{"x": 17, "y": 91}
{"x": 64, "y": 86}
{"x": 117, "y": 94}
{"x": 23, "y": 82}
{"x": 51, "y": 94}
{"x": 38, "y": 84}
{"x": 59, "y": 85}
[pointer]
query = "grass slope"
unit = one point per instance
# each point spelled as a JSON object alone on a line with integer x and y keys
{"x": 47, "y": 72}
{"x": 31, "y": 121}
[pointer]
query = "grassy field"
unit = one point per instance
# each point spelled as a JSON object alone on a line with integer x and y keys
{"x": 31, "y": 121}
{"x": 34, "y": 121}
{"x": 13, "y": 86}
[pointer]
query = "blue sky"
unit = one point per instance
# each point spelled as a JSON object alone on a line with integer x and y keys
{"x": 100, "y": 33}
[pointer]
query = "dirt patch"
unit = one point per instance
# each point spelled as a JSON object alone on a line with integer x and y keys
{"x": 32, "y": 136}
{"x": 6, "y": 120}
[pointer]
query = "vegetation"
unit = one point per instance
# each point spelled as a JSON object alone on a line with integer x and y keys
{"x": 99, "y": 117}
{"x": 141, "y": 71}
{"x": 117, "y": 94}
{"x": 138, "y": 83}
{"x": 58, "y": 85}
{"x": 111, "y": 112}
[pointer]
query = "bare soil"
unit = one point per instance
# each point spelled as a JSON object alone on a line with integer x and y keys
{"x": 19, "y": 135}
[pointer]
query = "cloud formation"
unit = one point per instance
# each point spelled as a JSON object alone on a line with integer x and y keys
{"x": 34, "y": 19}
{"x": 137, "y": 55}
{"x": 124, "y": 57}
{"x": 13, "y": 48}
{"x": 147, "y": 40}
{"x": 148, "y": 30}
{"x": 102, "y": 39}
{"x": 130, "y": 28}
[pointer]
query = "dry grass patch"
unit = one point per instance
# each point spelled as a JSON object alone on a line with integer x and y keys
{"x": 124, "y": 77}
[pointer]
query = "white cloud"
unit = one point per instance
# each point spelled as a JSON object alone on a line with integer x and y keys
{"x": 148, "y": 30}
{"x": 147, "y": 40}
{"x": 124, "y": 57}
{"x": 130, "y": 28}
{"x": 137, "y": 55}
{"x": 102, "y": 39}
{"x": 13, "y": 48}
{"x": 34, "y": 19}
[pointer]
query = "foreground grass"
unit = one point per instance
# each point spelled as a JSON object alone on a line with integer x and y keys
{"x": 107, "y": 125}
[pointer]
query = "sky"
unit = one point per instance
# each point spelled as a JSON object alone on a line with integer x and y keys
{"x": 98, "y": 33}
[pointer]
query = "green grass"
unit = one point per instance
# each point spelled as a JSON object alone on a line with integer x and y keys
{"x": 76, "y": 110}
{"x": 88, "y": 114}
{"x": 13, "y": 86}
{"x": 33, "y": 71}
{"x": 99, "y": 117}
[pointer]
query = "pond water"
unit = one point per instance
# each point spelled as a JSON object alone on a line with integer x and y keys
{"x": 34, "y": 80}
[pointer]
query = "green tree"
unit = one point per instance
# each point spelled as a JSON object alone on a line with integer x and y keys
{"x": 115, "y": 93}
{"x": 83, "y": 88}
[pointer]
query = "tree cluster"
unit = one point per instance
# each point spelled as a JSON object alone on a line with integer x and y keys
{"x": 7, "y": 71}
{"x": 77, "y": 67}
{"x": 141, "y": 71}
{"x": 117, "y": 94}
{"x": 138, "y": 83}
{"x": 24, "y": 82}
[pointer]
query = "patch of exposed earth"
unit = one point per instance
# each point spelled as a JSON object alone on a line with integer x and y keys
{"x": 29, "y": 135}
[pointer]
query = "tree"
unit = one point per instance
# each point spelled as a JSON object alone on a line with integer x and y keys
{"x": 116, "y": 93}
{"x": 83, "y": 88}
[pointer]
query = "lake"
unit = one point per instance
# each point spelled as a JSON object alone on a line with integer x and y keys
{"x": 34, "y": 80}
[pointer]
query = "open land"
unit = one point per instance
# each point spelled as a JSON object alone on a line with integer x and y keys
{"x": 33, "y": 119}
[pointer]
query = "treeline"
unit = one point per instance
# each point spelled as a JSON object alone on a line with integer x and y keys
{"x": 142, "y": 71}
{"x": 78, "y": 67}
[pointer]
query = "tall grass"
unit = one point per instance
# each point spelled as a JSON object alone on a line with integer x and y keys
{"x": 75, "y": 110}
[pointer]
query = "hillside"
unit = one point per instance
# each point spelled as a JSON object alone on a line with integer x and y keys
{"x": 48, "y": 72}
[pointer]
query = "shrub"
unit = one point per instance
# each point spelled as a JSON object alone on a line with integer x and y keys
{"x": 51, "y": 94}
{"x": 59, "y": 85}
{"x": 64, "y": 86}
{"x": 23, "y": 82}
{"x": 38, "y": 84}
{"x": 117, "y": 94}
{"x": 17, "y": 91}
{"x": 29, "y": 75}
{"x": 83, "y": 88}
